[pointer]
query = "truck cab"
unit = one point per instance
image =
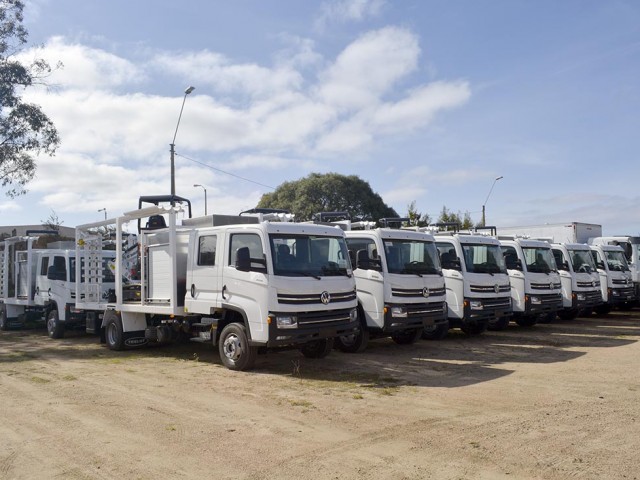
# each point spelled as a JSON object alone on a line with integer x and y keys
{"x": 535, "y": 282}
{"x": 476, "y": 278}
{"x": 400, "y": 285}
{"x": 631, "y": 247}
{"x": 616, "y": 282}
{"x": 579, "y": 278}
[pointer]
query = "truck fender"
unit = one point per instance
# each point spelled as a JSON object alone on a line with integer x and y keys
{"x": 231, "y": 315}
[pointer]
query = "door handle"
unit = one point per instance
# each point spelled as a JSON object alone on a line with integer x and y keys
{"x": 193, "y": 290}
{"x": 224, "y": 288}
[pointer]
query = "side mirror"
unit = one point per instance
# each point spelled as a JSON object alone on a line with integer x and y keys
{"x": 519, "y": 264}
{"x": 362, "y": 260}
{"x": 600, "y": 265}
{"x": 243, "y": 259}
{"x": 564, "y": 266}
{"x": 454, "y": 264}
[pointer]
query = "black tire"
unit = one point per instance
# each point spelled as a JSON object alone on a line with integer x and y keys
{"x": 55, "y": 328}
{"x": 587, "y": 312}
{"x": 602, "y": 309}
{"x": 407, "y": 337}
{"x": 528, "y": 321}
{"x": 4, "y": 323}
{"x": 568, "y": 314}
{"x": 354, "y": 343}
{"x": 548, "y": 317}
{"x": 626, "y": 306}
{"x": 113, "y": 331}
{"x": 436, "y": 332}
{"x": 235, "y": 351}
{"x": 499, "y": 323}
{"x": 473, "y": 328}
{"x": 317, "y": 348}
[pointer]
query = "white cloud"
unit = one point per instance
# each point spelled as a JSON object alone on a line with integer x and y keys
{"x": 348, "y": 10}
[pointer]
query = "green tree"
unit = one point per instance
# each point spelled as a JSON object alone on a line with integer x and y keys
{"x": 328, "y": 192}
{"x": 417, "y": 219}
{"x": 25, "y": 130}
{"x": 464, "y": 220}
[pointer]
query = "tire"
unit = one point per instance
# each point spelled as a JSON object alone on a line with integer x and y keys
{"x": 113, "y": 331}
{"x": 473, "y": 328}
{"x": 436, "y": 332}
{"x": 499, "y": 323}
{"x": 317, "y": 348}
{"x": 568, "y": 314}
{"x": 626, "y": 306}
{"x": 4, "y": 323}
{"x": 548, "y": 318}
{"x": 407, "y": 337}
{"x": 55, "y": 328}
{"x": 602, "y": 309}
{"x": 354, "y": 343}
{"x": 528, "y": 321}
{"x": 235, "y": 351}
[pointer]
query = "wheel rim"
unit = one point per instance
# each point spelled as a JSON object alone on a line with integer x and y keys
{"x": 112, "y": 334}
{"x": 431, "y": 329}
{"x": 51, "y": 324}
{"x": 348, "y": 340}
{"x": 232, "y": 348}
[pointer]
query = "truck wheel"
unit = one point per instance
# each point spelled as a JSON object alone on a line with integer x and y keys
{"x": 568, "y": 314}
{"x": 234, "y": 348}
{"x": 548, "y": 317}
{"x": 55, "y": 328}
{"x": 626, "y": 306}
{"x": 354, "y": 343}
{"x": 499, "y": 323}
{"x": 436, "y": 332}
{"x": 602, "y": 309}
{"x": 407, "y": 337}
{"x": 528, "y": 321}
{"x": 4, "y": 323}
{"x": 473, "y": 328}
{"x": 113, "y": 331}
{"x": 317, "y": 348}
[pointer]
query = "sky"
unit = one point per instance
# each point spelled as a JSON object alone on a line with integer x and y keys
{"x": 428, "y": 101}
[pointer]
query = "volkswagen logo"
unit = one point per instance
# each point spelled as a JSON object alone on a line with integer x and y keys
{"x": 550, "y": 285}
{"x": 496, "y": 288}
{"x": 325, "y": 297}
{"x": 425, "y": 292}
{"x": 593, "y": 283}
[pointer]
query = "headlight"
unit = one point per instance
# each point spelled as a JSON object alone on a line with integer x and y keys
{"x": 581, "y": 296}
{"x": 399, "y": 311}
{"x": 535, "y": 301}
{"x": 615, "y": 293}
{"x": 353, "y": 314}
{"x": 476, "y": 305}
{"x": 286, "y": 321}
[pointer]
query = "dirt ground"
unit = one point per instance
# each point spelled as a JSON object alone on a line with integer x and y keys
{"x": 557, "y": 401}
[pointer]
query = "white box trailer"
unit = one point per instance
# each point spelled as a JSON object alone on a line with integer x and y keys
{"x": 569, "y": 232}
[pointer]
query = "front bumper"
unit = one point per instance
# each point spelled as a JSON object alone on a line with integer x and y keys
{"x": 618, "y": 296}
{"x": 311, "y": 326}
{"x": 588, "y": 299}
{"x": 547, "y": 303}
{"x": 483, "y": 310}
{"x": 417, "y": 315}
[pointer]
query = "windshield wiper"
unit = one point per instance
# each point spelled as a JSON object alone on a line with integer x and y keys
{"x": 300, "y": 272}
{"x": 335, "y": 270}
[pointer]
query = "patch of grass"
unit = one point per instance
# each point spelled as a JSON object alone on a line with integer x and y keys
{"x": 388, "y": 391}
{"x": 170, "y": 428}
{"x": 357, "y": 396}
{"x": 36, "y": 379}
{"x": 301, "y": 403}
{"x": 70, "y": 378}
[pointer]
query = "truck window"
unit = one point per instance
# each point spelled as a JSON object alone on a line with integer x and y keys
{"x": 60, "y": 266}
{"x": 560, "y": 262}
{"x": 356, "y": 244}
{"x": 44, "y": 267}
{"x": 254, "y": 244}
{"x": 511, "y": 257}
{"x": 207, "y": 250}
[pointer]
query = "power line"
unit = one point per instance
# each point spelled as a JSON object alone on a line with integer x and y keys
{"x": 222, "y": 171}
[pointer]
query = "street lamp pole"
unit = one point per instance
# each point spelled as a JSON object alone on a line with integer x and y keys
{"x": 103, "y": 210}
{"x": 205, "y": 196}
{"x": 484, "y": 223}
{"x": 173, "y": 144}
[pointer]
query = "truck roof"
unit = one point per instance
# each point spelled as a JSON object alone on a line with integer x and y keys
{"x": 392, "y": 233}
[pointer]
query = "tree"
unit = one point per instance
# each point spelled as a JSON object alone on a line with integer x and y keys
{"x": 25, "y": 130}
{"x": 447, "y": 216}
{"x": 329, "y": 192}
{"x": 53, "y": 222}
{"x": 417, "y": 219}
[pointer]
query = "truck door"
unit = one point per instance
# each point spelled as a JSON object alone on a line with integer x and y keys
{"x": 245, "y": 289}
{"x": 203, "y": 276}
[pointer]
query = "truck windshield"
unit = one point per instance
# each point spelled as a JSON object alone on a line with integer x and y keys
{"x": 582, "y": 261}
{"x": 616, "y": 261}
{"x": 539, "y": 260}
{"x": 481, "y": 258}
{"x": 411, "y": 257}
{"x": 310, "y": 256}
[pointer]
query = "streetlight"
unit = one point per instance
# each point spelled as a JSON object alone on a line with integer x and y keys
{"x": 205, "y": 196}
{"x": 103, "y": 210}
{"x": 484, "y": 224}
{"x": 173, "y": 144}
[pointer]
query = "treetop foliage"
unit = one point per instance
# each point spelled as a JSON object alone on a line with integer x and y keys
{"x": 328, "y": 192}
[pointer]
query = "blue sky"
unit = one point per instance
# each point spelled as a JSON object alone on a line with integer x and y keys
{"x": 426, "y": 100}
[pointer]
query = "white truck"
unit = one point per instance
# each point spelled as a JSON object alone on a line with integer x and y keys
{"x": 579, "y": 278}
{"x": 631, "y": 247}
{"x": 476, "y": 278}
{"x": 569, "y": 232}
{"x": 616, "y": 282}
{"x": 536, "y": 290}
{"x": 243, "y": 285}
{"x": 399, "y": 282}
{"x": 38, "y": 284}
